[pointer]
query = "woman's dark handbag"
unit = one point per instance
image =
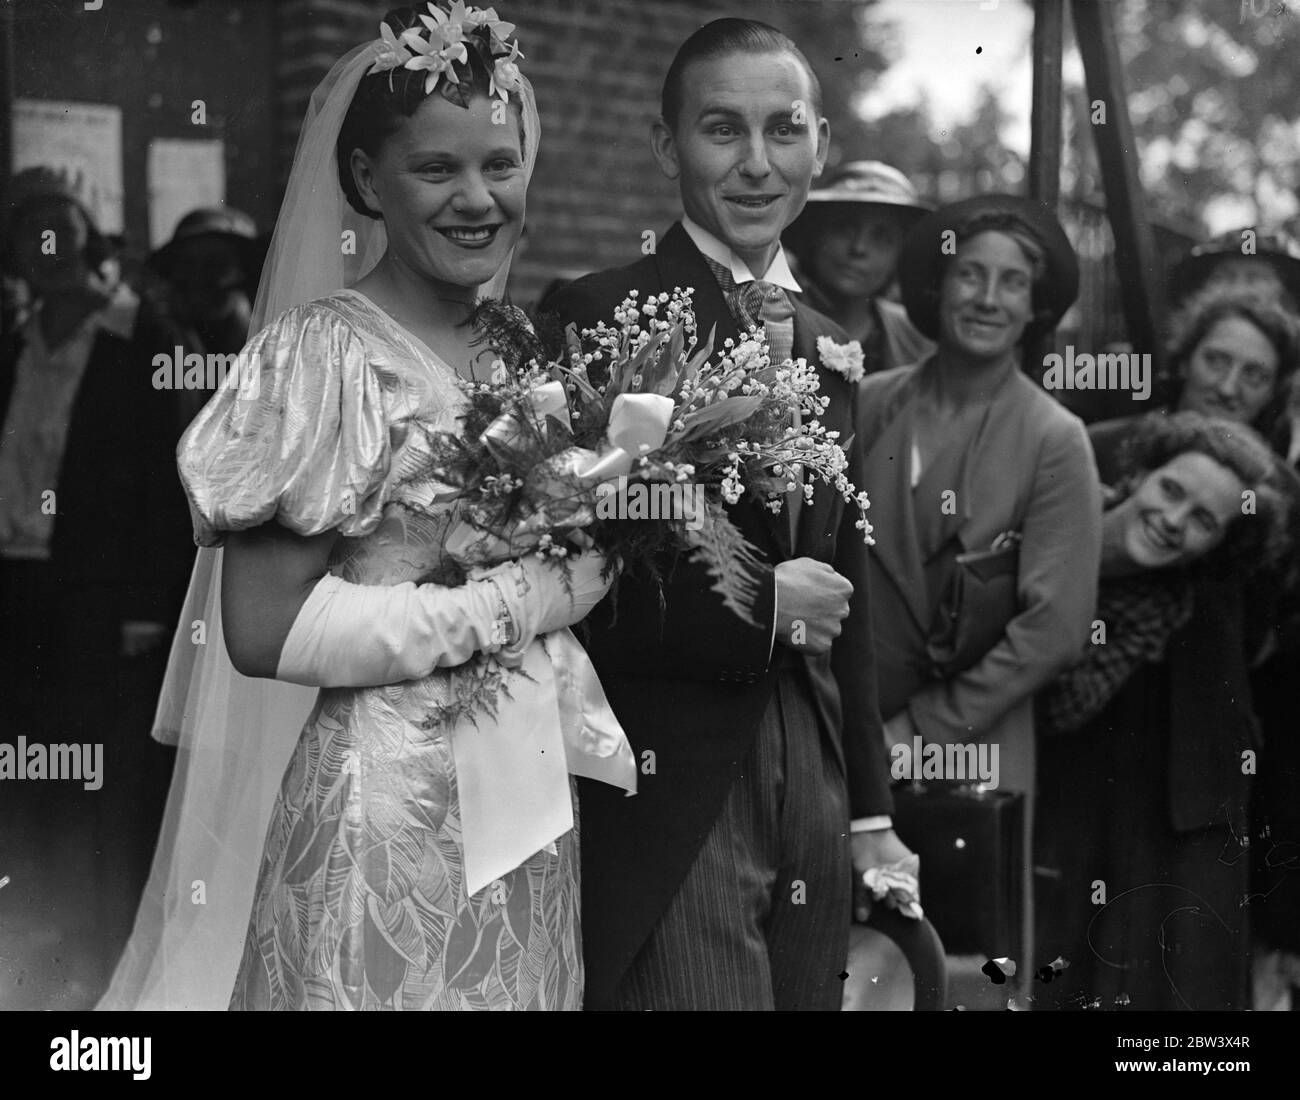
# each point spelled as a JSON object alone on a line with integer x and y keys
{"x": 971, "y": 844}
{"x": 978, "y": 602}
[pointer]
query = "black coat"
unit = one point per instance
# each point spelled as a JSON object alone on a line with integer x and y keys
{"x": 121, "y": 551}
{"x": 1150, "y": 799}
{"x": 691, "y": 684}
{"x": 122, "y": 522}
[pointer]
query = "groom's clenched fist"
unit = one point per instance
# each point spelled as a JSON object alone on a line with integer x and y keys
{"x": 811, "y": 602}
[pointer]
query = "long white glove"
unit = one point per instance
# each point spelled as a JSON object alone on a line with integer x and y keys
{"x": 358, "y": 635}
{"x": 540, "y": 598}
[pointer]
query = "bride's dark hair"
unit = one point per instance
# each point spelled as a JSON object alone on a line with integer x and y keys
{"x": 384, "y": 100}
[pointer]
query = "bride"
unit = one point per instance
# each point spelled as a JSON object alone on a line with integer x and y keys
{"x": 421, "y": 851}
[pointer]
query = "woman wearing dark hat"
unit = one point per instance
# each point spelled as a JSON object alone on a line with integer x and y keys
{"x": 1265, "y": 264}
{"x": 846, "y": 243}
{"x": 966, "y": 456}
{"x": 207, "y": 278}
{"x": 93, "y": 540}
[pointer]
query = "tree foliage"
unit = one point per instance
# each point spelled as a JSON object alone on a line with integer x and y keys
{"x": 1212, "y": 88}
{"x": 1213, "y": 91}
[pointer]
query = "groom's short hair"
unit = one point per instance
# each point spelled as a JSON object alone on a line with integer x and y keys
{"x": 727, "y": 36}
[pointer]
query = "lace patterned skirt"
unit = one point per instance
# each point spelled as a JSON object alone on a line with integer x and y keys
{"x": 360, "y": 900}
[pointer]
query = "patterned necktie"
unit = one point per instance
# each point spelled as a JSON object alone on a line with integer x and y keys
{"x": 759, "y": 302}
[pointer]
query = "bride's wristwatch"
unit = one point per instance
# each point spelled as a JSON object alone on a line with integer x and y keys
{"x": 504, "y": 631}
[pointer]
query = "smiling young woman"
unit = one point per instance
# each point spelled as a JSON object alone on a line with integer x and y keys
{"x": 1140, "y": 759}
{"x": 448, "y": 182}
{"x": 419, "y": 854}
{"x": 1177, "y": 514}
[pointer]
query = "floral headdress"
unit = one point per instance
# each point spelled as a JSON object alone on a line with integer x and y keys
{"x": 444, "y": 42}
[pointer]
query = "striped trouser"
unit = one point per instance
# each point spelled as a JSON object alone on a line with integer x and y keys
{"x": 761, "y": 920}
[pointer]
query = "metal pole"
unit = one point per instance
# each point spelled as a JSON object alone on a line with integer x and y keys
{"x": 1136, "y": 258}
{"x": 1045, "y": 116}
{"x": 6, "y": 101}
{"x": 1045, "y": 135}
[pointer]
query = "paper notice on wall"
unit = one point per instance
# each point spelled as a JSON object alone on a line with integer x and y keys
{"x": 84, "y": 140}
{"x": 182, "y": 175}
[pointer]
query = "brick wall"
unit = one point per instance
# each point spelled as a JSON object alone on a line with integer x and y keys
{"x": 153, "y": 59}
{"x": 597, "y": 67}
{"x": 309, "y": 36}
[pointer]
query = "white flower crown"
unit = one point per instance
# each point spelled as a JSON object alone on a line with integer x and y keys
{"x": 445, "y": 41}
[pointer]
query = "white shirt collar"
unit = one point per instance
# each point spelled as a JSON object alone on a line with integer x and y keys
{"x": 778, "y": 271}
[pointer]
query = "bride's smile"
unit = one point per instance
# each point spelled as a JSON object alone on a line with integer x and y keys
{"x": 450, "y": 185}
{"x": 470, "y": 236}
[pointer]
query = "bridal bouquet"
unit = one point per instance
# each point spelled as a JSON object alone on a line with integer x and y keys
{"x": 635, "y": 438}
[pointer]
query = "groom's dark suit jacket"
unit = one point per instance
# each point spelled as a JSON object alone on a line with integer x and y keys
{"x": 690, "y": 681}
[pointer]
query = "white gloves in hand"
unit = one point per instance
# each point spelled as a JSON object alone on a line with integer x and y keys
{"x": 540, "y": 598}
{"x": 352, "y": 635}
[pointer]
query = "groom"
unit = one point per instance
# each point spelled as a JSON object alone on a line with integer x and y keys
{"x": 726, "y": 882}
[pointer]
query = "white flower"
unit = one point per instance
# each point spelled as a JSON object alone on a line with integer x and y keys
{"x": 437, "y": 61}
{"x": 897, "y": 886}
{"x": 845, "y": 359}
{"x": 392, "y": 52}
{"x": 506, "y": 77}
{"x": 449, "y": 25}
{"x": 488, "y": 18}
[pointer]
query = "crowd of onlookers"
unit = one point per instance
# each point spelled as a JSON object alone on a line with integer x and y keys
{"x": 1159, "y": 759}
{"x": 95, "y": 542}
{"x": 1136, "y": 674}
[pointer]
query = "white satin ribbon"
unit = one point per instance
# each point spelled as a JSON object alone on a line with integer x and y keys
{"x": 513, "y": 776}
{"x": 514, "y": 781}
{"x": 638, "y": 424}
{"x": 547, "y": 401}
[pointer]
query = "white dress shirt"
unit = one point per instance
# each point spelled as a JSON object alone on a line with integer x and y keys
{"x": 778, "y": 271}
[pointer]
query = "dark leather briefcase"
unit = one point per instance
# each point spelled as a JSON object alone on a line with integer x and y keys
{"x": 971, "y": 844}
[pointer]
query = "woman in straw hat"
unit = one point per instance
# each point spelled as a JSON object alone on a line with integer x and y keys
{"x": 847, "y": 241}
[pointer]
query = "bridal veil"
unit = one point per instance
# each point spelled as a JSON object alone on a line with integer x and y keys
{"x": 234, "y": 734}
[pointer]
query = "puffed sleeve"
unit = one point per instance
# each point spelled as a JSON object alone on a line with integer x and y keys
{"x": 301, "y": 439}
